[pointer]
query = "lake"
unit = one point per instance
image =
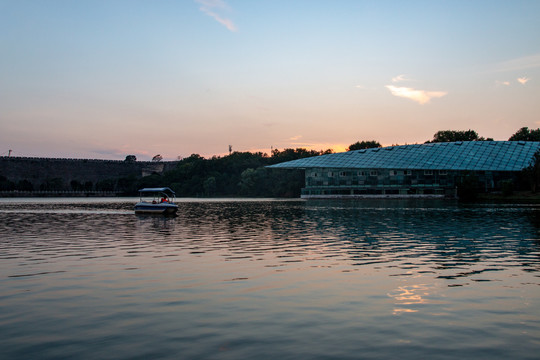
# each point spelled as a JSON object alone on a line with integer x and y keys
{"x": 287, "y": 279}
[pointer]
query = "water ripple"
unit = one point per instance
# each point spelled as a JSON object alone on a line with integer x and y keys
{"x": 237, "y": 279}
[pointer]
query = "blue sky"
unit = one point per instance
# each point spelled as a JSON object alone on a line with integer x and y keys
{"x": 110, "y": 78}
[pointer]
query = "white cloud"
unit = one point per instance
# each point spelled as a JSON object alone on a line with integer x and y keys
{"x": 294, "y": 138}
{"x": 504, "y": 83}
{"x": 210, "y": 7}
{"x": 420, "y": 96}
{"x": 400, "y": 78}
{"x": 523, "y": 80}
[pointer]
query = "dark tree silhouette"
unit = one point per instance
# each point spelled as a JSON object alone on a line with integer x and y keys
{"x": 524, "y": 134}
{"x": 364, "y": 145}
{"x": 456, "y": 135}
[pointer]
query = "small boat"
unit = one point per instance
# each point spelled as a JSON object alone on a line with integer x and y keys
{"x": 156, "y": 201}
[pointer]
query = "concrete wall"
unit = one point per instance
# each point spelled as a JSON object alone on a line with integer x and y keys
{"x": 39, "y": 170}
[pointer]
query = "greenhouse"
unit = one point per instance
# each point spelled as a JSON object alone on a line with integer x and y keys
{"x": 421, "y": 170}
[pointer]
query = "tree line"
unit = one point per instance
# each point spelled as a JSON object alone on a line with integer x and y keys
{"x": 245, "y": 173}
{"x": 523, "y": 134}
{"x": 237, "y": 174}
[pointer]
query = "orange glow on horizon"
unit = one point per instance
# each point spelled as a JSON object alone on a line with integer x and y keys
{"x": 316, "y": 147}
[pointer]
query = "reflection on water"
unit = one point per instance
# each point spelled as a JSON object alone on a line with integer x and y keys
{"x": 294, "y": 279}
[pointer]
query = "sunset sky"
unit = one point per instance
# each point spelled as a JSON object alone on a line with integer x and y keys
{"x": 108, "y": 78}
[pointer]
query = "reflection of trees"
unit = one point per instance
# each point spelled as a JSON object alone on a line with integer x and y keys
{"x": 445, "y": 237}
{"x": 448, "y": 239}
{"x": 534, "y": 218}
{"x": 241, "y": 228}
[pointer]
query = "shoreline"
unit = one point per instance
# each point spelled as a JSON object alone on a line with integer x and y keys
{"x": 516, "y": 197}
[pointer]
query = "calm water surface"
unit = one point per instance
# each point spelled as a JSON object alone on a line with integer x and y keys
{"x": 237, "y": 279}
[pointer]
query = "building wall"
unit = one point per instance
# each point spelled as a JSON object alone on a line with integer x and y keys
{"x": 395, "y": 182}
{"x": 39, "y": 170}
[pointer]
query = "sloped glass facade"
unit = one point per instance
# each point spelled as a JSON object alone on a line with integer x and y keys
{"x": 419, "y": 170}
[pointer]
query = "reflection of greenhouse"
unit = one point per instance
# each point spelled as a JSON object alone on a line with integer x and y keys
{"x": 413, "y": 170}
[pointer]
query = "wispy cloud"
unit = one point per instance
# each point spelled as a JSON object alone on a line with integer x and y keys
{"x": 212, "y": 7}
{"x": 502, "y": 83}
{"x": 523, "y": 80}
{"x": 400, "y": 78}
{"x": 294, "y": 138}
{"x": 420, "y": 96}
{"x": 522, "y": 63}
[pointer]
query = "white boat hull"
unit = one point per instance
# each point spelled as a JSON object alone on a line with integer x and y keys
{"x": 161, "y": 208}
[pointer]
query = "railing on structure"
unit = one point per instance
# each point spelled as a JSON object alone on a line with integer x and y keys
{"x": 60, "y": 193}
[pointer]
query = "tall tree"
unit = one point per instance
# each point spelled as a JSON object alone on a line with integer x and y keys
{"x": 456, "y": 135}
{"x": 532, "y": 172}
{"x": 364, "y": 145}
{"x": 524, "y": 134}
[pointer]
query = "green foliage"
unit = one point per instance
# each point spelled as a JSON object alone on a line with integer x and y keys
{"x": 237, "y": 174}
{"x": 293, "y": 154}
{"x": 130, "y": 158}
{"x": 209, "y": 186}
{"x": 106, "y": 185}
{"x": 56, "y": 184}
{"x": 88, "y": 186}
{"x": 5, "y": 184}
{"x": 524, "y": 134}
{"x": 76, "y": 185}
{"x": 532, "y": 172}
{"x": 153, "y": 180}
{"x": 25, "y": 185}
{"x": 456, "y": 135}
{"x": 364, "y": 145}
{"x": 127, "y": 185}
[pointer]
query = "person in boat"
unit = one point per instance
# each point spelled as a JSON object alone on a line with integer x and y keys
{"x": 163, "y": 199}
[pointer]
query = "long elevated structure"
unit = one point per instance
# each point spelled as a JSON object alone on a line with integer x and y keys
{"x": 40, "y": 171}
{"x": 432, "y": 169}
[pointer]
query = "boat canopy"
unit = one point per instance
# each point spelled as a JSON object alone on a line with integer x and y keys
{"x": 155, "y": 190}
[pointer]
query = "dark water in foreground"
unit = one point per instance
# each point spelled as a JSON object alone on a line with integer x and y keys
{"x": 88, "y": 279}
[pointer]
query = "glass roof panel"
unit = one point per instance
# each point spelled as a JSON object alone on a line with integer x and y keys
{"x": 481, "y": 155}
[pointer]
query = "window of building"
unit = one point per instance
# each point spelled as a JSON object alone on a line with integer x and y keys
{"x": 408, "y": 172}
{"x": 443, "y": 172}
{"x": 373, "y": 173}
{"x": 428, "y": 172}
